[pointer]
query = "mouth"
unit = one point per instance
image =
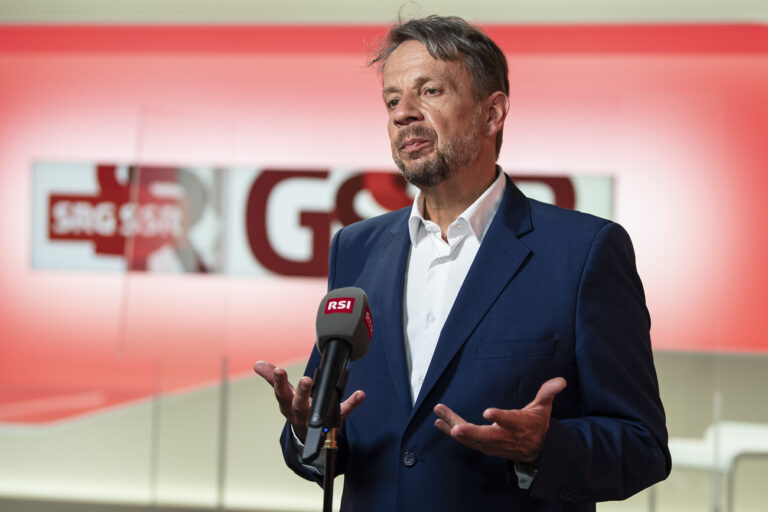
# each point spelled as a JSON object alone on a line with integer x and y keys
{"x": 413, "y": 144}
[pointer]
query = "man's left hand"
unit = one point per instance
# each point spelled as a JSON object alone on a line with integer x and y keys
{"x": 516, "y": 434}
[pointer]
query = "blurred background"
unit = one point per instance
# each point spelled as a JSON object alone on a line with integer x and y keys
{"x": 171, "y": 174}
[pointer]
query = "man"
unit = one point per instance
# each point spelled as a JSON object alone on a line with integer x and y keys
{"x": 510, "y": 366}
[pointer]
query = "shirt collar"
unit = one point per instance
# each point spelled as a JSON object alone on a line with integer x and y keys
{"x": 477, "y": 216}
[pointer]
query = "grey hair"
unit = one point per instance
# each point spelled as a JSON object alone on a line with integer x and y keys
{"x": 452, "y": 38}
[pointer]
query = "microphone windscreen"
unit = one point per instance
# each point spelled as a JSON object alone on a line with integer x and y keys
{"x": 345, "y": 314}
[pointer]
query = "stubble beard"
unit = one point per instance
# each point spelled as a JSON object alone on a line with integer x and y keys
{"x": 455, "y": 154}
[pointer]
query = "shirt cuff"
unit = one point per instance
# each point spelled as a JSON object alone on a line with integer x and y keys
{"x": 525, "y": 473}
{"x": 316, "y": 465}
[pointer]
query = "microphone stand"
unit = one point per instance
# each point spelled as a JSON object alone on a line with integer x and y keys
{"x": 331, "y": 447}
{"x": 326, "y": 420}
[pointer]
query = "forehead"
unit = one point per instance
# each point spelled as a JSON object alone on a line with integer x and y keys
{"x": 411, "y": 62}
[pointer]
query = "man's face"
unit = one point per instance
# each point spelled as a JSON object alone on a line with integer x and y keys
{"x": 434, "y": 121}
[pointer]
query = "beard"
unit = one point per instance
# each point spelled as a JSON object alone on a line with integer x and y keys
{"x": 445, "y": 161}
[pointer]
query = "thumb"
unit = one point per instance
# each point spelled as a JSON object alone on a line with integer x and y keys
{"x": 546, "y": 394}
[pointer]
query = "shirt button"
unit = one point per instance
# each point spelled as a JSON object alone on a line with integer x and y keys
{"x": 430, "y": 317}
{"x": 409, "y": 459}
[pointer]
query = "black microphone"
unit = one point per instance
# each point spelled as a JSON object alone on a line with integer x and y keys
{"x": 344, "y": 328}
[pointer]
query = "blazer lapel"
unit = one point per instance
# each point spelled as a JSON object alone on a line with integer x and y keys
{"x": 497, "y": 261}
{"x": 390, "y": 273}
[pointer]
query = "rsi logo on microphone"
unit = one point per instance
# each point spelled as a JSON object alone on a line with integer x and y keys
{"x": 339, "y": 305}
{"x": 368, "y": 322}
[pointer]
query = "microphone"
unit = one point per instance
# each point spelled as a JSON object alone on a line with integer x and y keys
{"x": 344, "y": 328}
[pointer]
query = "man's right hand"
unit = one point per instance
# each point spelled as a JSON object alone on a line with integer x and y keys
{"x": 295, "y": 402}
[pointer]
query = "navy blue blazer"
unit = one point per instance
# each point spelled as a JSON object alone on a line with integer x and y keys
{"x": 551, "y": 292}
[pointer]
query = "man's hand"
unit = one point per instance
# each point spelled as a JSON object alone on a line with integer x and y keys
{"x": 513, "y": 434}
{"x": 295, "y": 402}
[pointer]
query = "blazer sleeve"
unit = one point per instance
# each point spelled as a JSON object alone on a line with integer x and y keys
{"x": 618, "y": 444}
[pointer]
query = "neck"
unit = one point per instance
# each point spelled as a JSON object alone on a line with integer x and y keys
{"x": 444, "y": 202}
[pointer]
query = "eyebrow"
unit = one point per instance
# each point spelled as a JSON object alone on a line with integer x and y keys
{"x": 390, "y": 90}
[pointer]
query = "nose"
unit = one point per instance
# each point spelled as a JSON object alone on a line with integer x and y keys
{"x": 406, "y": 111}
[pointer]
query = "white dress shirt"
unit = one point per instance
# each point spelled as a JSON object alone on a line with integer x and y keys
{"x": 435, "y": 272}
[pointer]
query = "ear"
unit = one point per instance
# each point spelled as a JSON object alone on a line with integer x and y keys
{"x": 498, "y": 106}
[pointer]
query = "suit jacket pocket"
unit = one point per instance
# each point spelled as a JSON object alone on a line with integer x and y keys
{"x": 516, "y": 349}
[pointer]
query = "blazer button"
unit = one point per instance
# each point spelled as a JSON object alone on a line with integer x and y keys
{"x": 409, "y": 459}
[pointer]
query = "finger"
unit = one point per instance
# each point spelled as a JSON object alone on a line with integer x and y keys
{"x": 265, "y": 370}
{"x": 300, "y": 402}
{"x": 442, "y": 426}
{"x": 547, "y": 392}
{"x": 351, "y": 403}
{"x": 506, "y": 418}
{"x": 475, "y": 435}
{"x": 448, "y": 416}
{"x": 487, "y": 439}
{"x": 283, "y": 388}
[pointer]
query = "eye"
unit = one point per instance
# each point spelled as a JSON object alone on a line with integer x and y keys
{"x": 392, "y": 103}
{"x": 431, "y": 91}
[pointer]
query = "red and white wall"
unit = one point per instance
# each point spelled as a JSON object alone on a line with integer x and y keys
{"x": 661, "y": 127}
